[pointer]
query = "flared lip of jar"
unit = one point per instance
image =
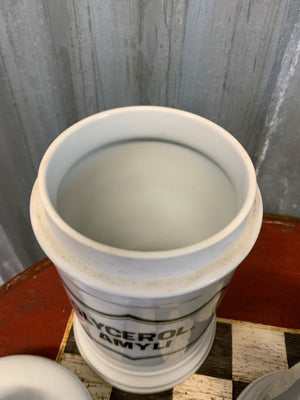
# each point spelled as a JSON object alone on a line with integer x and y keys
{"x": 136, "y": 254}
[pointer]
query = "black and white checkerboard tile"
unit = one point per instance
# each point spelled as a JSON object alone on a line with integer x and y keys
{"x": 241, "y": 353}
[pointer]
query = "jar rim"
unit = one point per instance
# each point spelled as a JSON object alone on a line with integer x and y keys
{"x": 64, "y": 227}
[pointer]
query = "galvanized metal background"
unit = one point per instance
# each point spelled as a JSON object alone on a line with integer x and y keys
{"x": 235, "y": 62}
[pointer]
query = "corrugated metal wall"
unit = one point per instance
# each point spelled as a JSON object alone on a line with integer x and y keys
{"x": 235, "y": 62}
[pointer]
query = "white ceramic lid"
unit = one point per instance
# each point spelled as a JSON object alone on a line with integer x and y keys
{"x": 25, "y": 377}
{"x": 258, "y": 388}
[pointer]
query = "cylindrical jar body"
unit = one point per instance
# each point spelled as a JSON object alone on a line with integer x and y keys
{"x": 145, "y": 319}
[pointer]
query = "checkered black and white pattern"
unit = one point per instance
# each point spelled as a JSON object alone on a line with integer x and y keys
{"x": 241, "y": 353}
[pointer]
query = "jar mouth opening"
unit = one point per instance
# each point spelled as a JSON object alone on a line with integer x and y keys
{"x": 146, "y": 123}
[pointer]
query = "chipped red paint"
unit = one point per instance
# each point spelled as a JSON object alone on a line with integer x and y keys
{"x": 34, "y": 309}
{"x": 266, "y": 286}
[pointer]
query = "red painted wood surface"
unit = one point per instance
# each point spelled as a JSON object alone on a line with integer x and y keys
{"x": 266, "y": 286}
{"x": 34, "y": 309}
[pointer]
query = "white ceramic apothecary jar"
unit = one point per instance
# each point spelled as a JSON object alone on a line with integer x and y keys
{"x": 146, "y": 212}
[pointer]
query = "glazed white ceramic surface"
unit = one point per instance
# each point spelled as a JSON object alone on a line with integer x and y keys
{"x": 25, "y": 377}
{"x": 144, "y": 313}
{"x": 147, "y": 195}
{"x": 257, "y": 389}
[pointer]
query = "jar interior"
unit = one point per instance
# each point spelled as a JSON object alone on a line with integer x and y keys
{"x": 147, "y": 195}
